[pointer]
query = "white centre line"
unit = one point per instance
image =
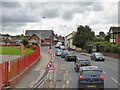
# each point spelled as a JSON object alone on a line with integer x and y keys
{"x": 115, "y": 81}
{"x": 104, "y": 72}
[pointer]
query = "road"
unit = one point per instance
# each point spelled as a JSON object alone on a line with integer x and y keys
{"x": 68, "y": 78}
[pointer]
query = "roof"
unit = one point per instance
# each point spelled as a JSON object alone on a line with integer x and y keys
{"x": 34, "y": 35}
{"x": 43, "y": 34}
{"x": 87, "y": 68}
{"x": 114, "y": 30}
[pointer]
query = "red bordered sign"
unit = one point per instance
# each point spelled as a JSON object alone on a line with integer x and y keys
{"x": 50, "y": 66}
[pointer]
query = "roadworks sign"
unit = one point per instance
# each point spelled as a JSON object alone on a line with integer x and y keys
{"x": 50, "y": 66}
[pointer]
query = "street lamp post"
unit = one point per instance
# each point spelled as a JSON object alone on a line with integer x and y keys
{"x": 41, "y": 29}
{"x": 41, "y": 23}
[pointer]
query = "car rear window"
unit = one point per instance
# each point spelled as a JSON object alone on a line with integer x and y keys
{"x": 91, "y": 73}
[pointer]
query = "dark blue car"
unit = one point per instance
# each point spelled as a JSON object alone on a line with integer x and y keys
{"x": 64, "y": 53}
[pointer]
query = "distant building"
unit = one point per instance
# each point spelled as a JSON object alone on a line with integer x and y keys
{"x": 114, "y": 35}
{"x": 34, "y": 40}
{"x": 69, "y": 40}
{"x": 46, "y": 36}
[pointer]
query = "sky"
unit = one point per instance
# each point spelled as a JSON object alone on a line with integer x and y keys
{"x": 61, "y": 16}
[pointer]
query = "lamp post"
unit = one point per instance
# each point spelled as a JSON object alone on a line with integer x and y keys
{"x": 41, "y": 23}
{"x": 41, "y": 29}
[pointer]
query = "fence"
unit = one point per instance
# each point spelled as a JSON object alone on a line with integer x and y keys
{"x": 12, "y": 69}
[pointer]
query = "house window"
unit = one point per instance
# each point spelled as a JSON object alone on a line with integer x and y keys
{"x": 113, "y": 36}
{"x": 118, "y": 35}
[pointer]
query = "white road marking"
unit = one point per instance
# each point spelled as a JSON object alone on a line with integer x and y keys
{"x": 67, "y": 82}
{"x": 104, "y": 72}
{"x": 115, "y": 81}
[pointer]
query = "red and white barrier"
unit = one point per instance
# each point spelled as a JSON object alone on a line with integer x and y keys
{"x": 0, "y": 74}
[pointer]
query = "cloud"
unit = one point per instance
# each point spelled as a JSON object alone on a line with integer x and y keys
{"x": 15, "y": 15}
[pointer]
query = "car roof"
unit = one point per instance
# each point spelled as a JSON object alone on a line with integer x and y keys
{"x": 90, "y": 68}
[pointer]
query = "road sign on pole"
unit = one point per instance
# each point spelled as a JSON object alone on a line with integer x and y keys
{"x": 50, "y": 66}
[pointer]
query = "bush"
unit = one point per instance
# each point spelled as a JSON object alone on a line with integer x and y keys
{"x": 114, "y": 49}
{"x": 118, "y": 50}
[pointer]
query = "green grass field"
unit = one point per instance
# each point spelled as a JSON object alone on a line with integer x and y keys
{"x": 7, "y": 50}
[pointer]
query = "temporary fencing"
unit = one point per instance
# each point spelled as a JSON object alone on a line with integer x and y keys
{"x": 12, "y": 69}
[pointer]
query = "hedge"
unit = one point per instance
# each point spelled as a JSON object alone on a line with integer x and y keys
{"x": 107, "y": 47}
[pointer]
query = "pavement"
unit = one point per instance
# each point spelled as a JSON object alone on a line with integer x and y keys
{"x": 35, "y": 74}
{"x": 9, "y": 57}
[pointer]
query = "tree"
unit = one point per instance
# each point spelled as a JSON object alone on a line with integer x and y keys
{"x": 83, "y": 35}
{"x": 101, "y": 34}
{"x": 107, "y": 37}
{"x": 7, "y": 40}
{"x": 25, "y": 42}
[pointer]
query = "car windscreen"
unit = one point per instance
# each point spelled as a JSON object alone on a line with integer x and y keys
{"x": 98, "y": 54}
{"x": 91, "y": 73}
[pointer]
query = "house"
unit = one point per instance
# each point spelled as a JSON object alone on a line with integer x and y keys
{"x": 69, "y": 40}
{"x": 114, "y": 33}
{"x": 46, "y": 36}
{"x": 34, "y": 40}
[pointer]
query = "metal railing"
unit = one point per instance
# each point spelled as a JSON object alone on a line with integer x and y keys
{"x": 41, "y": 81}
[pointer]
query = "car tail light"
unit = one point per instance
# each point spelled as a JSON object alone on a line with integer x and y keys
{"x": 101, "y": 78}
{"x": 81, "y": 77}
{"x": 89, "y": 64}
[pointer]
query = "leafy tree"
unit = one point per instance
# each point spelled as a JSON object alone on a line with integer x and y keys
{"x": 7, "y": 40}
{"x": 107, "y": 37}
{"x": 101, "y": 34}
{"x": 84, "y": 34}
{"x": 25, "y": 42}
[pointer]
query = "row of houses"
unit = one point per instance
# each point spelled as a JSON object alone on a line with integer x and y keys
{"x": 39, "y": 37}
{"x": 114, "y": 33}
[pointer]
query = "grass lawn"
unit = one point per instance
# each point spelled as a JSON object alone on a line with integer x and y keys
{"x": 7, "y": 50}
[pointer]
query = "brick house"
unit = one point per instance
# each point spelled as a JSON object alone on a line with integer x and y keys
{"x": 46, "y": 36}
{"x": 114, "y": 35}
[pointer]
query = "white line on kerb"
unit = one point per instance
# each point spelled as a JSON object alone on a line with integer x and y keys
{"x": 104, "y": 72}
{"x": 115, "y": 81}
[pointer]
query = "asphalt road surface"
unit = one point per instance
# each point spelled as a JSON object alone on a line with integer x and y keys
{"x": 68, "y": 78}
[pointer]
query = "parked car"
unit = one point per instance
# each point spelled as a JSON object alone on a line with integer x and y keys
{"x": 90, "y": 78}
{"x": 62, "y": 47}
{"x": 58, "y": 45}
{"x": 58, "y": 52}
{"x": 70, "y": 56}
{"x": 64, "y": 53}
{"x": 97, "y": 56}
{"x": 81, "y": 62}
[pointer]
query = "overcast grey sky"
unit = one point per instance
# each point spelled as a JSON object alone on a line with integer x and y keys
{"x": 19, "y": 15}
